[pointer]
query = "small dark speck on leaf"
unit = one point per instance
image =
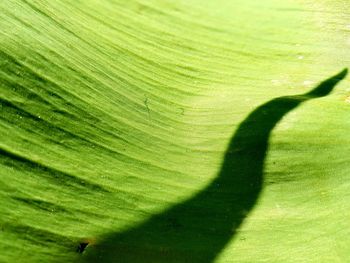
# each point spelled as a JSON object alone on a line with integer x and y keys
{"x": 81, "y": 247}
{"x": 147, "y": 107}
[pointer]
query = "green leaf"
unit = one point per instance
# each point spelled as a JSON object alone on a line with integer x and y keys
{"x": 174, "y": 131}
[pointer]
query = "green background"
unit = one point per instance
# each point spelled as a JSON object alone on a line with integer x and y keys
{"x": 112, "y": 111}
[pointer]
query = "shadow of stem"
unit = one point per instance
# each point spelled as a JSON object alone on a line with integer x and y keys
{"x": 198, "y": 229}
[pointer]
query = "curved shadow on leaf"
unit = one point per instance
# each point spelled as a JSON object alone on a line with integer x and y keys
{"x": 198, "y": 229}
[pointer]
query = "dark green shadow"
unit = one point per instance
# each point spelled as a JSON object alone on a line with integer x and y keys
{"x": 198, "y": 229}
